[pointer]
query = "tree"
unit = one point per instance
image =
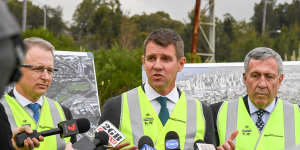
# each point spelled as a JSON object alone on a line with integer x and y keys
{"x": 257, "y": 18}
{"x": 35, "y": 16}
{"x": 81, "y": 18}
{"x": 117, "y": 70}
{"x": 147, "y": 23}
{"x": 97, "y": 23}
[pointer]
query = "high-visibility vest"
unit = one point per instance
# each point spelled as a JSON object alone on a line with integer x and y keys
{"x": 138, "y": 118}
{"x": 281, "y": 131}
{"x": 51, "y": 114}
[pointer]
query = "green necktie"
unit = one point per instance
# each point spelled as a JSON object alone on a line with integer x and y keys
{"x": 163, "y": 113}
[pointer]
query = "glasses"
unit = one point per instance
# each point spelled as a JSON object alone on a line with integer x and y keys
{"x": 40, "y": 68}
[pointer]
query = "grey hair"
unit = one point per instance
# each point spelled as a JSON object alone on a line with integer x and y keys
{"x": 261, "y": 53}
{"x": 36, "y": 41}
{"x": 164, "y": 37}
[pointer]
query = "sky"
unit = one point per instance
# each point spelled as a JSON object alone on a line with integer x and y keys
{"x": 178, "y": 9}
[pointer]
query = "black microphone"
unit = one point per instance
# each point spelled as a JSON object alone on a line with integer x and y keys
{"x": 65, "y": 129}
{"x": 100, "y": 142}
{"x": 145, "y": 143}
{"x": 101, "y": 139}
{"x": 172, "y": 141}
{"x": 201, "y": 145}
{"x": 114, "y": 135}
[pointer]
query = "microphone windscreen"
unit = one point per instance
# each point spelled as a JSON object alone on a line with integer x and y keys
{"x": 145, "y": 140}
{"x": 172, "y": 141}
{"x": 101, "y": 138}
{"x": 172, "y": 135}
{"x": 83, "y": 125}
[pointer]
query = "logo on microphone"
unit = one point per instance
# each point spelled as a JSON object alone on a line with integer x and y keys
{"x": 72, "y": 128}
{"x": 114, "y": 135}
{"x": 68, "y": 127}
{"x": 147, "y": 147}
{"x": 172, "y": 144}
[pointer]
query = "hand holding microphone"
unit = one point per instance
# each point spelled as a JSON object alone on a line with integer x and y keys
{"x": 65, "y": 129}
{"x": 28, "y": 142}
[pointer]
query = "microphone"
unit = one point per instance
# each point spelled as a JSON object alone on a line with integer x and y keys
{"x": 101, "y": 138}
{"x": 172, "y": 141}
{"x": 145, "y": 143}
{"x": 114, "y": 135}
{"x": 100, "y": 142}
{"x": 200, "y": 145}
{"x": 65, "y": 129}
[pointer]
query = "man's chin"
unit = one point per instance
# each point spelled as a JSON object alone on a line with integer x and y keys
{"x": 260, "y": 103}
{"x": 41, "y": 91}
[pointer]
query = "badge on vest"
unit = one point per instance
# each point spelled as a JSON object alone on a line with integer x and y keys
{"x": 247, "y": 130}
{"x": 25, "y": 123}
{"x": 148, "y": 120}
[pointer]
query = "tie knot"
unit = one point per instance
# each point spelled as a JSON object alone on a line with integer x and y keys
{"x": 34, "y": 107}
{"x": 162, "y": 100}
{"x": 260, "y": 112}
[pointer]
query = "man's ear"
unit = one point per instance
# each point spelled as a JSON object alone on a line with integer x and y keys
{"x": 143, "y": 59}
{"x": 181, "y": 63}
{"x": 244, "y": 77}
{"x": 281, "y": 77}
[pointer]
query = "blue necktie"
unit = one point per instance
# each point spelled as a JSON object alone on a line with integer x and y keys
{"x": 260, "y": 123}
{"x": 163, "y": 113}
{"x": 36, "y": 111}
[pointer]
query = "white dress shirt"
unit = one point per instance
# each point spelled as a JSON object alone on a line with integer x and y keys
{"x": 173, "y": 97}
{"x": 269, "y": 109}
{"x": 24, "y": 102}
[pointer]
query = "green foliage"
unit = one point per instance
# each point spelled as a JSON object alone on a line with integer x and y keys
{"x": 117, "y": 71}
{"x": 97, "y": 24}
{"x": 190, "y": 56}
{"x": 61, "y": 42}
{"x": 35, "y": 16}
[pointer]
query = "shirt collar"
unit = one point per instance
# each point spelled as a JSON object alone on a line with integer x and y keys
{"x": 24, "y": 101}
{"x": 173, "y": 96}
{"x": 253, "y": 108}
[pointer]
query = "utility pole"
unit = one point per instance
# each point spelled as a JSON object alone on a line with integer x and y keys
{"x": 45, "y": 17}
{"x": 264, "y": 17}
{"x": 24, "y": 17}
{"x": 212, "y": 31}
{"x": 195, "y": 31}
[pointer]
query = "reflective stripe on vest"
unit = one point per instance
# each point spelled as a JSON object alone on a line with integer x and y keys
{"x": 289, "y": 123}
{"x": 136, "y": 120}
{"x": 57, "y": 116}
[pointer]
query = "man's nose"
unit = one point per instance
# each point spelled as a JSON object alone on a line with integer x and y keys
{"x": 157, "y": 64}
{"x": 262, "y": 82}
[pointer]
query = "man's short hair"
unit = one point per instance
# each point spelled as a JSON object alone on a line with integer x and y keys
{"x": 36, "y": 41}
{"x": 164, "y": 37}
{"x": 261, "y": 53}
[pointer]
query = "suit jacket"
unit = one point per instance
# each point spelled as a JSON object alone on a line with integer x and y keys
{"x": 5, "y": 130}
{"x": 112, "y": 112}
